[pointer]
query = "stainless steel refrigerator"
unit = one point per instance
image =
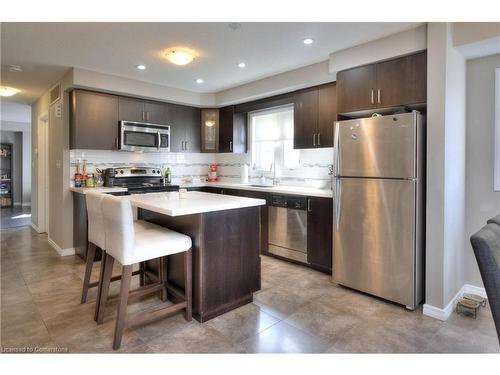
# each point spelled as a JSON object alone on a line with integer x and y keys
{"x": 378, "y": 214}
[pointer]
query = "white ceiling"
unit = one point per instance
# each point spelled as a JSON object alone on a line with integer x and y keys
{"x": 46, "y": 50}
{"x": 15, "y": 112}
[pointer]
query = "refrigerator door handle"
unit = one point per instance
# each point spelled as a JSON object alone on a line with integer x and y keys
{"x": 336, "y": 151}
{"x": 338, "y": 203}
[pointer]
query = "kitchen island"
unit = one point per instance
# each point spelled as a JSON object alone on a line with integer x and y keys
{"x": 225, "y": 231}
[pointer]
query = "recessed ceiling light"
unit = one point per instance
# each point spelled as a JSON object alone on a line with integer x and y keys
{"x": 8, "y": 91}
{"x": 141, "y": 67}
{"x": 199, "y": 81}
{"x": 241, "y": 65}
{"x": 15, "y": 68}
{"x": 308, "y": 41}
{"x": 179, "y": 56}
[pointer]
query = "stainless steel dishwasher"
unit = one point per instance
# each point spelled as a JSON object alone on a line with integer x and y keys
{"x": 288, "y": 227}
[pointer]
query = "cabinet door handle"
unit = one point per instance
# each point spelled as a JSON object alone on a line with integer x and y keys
{"x": 372, "y": 97}
{"x": 319, "y": 143}
{"x": 314, "y": 139}
{"x": 230, "y": 145}
{"x": 378, "y": 95}
{"x": 116, "y": 143}
{"x": 186, "y": 145}
{"x": 309, "y": 209}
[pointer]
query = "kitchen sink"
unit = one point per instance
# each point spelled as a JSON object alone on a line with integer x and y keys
{"x": 262, "y": 186}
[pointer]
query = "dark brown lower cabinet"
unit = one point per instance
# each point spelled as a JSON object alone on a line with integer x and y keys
{"x": 319, "y": 233}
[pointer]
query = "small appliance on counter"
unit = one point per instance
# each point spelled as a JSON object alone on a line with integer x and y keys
{"x": 138, "y": 180}
{"x": 212, "y": 173}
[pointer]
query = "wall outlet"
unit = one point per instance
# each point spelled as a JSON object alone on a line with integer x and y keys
{"x": 58, "y": 110}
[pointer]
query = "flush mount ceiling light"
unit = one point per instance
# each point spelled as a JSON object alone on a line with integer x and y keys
{"x": 179, "y": 56}
{"x": 199, "y": 81}
{"x": 308, "y": 41}
{"x": 141, "y": 67}
{"x": 241, "y": 65}
{"x": 8, "y": 91}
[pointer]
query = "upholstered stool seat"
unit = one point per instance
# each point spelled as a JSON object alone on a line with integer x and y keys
{"x": 130, "y": 243}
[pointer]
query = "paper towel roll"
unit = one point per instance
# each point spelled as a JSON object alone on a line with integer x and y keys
{"x": 244, "y": 174}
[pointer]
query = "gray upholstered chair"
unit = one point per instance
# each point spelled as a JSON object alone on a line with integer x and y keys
{"x": 486, "y": 245}
{"x": 494, "y": 220}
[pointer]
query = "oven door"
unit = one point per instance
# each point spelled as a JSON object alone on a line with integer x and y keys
{"x": 135, "y": 136}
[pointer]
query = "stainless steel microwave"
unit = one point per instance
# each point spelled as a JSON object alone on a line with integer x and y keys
{"x": 145, "y": 137}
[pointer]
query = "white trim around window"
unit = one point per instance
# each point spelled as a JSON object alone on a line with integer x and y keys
{"x": 497, "y": 130}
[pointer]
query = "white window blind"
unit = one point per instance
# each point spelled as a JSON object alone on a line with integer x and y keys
{"x": 272, "y": 139}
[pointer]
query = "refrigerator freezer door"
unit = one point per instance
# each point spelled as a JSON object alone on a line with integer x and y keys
{"x": 381, "y": 147}
{"x": 374, "y": 237}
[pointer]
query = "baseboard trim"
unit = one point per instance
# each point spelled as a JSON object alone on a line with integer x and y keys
{"x": 36, "y": 228}
{"x": 61, "y": 252}
{"x": 444, "y": 314}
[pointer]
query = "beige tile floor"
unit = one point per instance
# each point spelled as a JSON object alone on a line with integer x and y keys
{"x": 298, "y": 310}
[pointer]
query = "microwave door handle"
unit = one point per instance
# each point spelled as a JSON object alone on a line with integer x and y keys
{"x": 159, "y": 141}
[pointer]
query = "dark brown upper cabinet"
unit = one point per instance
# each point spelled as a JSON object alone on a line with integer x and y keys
{"x": 391, "y": 83}
{"x": 232, "y": 131}
{"x": 305, "y": 118}
{"x": 315, "y": 112}
{"x": 355, "y": 88}
{"x": 319, "y": 233}
{"x": 131, "y": 109}
{"x": 93, "y": 120}
{"x": 402, "y": 81}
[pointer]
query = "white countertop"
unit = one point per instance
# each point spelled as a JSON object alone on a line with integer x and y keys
{"x": 85, "y": 190}
{"x": 280, "y": 189}
{"x": 196, "y": 202}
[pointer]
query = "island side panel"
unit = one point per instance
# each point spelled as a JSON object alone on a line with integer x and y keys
{"x": 230, "y": 260}
{"x": 226, "y": 261}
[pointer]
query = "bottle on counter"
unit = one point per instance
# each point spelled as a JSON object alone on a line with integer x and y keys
{"x": 90, "y": 182}
{"x": 168, "y": 176}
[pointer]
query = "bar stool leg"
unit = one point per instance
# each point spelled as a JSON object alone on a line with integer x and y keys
{"x": 142, "y": 266}
{"x": 122, "y": 307}
{"x": 188, "y": 284}
{"x": 163, "y": 278}
{"x": 88, "y": 271}
{"x": 106, "y": 280}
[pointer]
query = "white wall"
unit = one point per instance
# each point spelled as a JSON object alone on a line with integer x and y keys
{"x": 306, "y": 76}
{"x": 445, "y": 167}
{"x": 399, "y": 44}
{"x": 482, "y": 201}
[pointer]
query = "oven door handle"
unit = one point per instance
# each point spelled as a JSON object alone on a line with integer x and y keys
{"x": 159, "y": 141}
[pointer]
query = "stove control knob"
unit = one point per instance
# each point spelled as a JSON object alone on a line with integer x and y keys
{"x": 121, "y": 171}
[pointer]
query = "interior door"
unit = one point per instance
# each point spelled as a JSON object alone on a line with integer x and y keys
{"x": 377, "y": 147}
{"x": 373, "y": 224}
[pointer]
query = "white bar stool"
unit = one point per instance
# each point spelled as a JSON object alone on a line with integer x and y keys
{"x": 96, "y": 239}
{"x": 128, "y": 247}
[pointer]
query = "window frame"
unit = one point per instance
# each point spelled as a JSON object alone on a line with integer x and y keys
{"x": 264, "y": 111}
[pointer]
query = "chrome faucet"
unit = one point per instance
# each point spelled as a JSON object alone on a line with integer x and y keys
{"x": 276, "y": 180}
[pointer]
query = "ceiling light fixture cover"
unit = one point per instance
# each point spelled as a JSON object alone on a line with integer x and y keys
{"x": 241, "y": 65}
{"x": 308, "y": 41}
{"x": 8, "y": 91}
{"x": 199, "y": 80}
{"x": 179, "y": 56}
{"x": 141, "y": 67}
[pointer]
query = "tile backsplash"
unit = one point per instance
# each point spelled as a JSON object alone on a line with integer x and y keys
{"x": 312, "y": 170}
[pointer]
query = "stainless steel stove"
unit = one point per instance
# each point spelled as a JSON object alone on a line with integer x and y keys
{"x": 138, "y": 180}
